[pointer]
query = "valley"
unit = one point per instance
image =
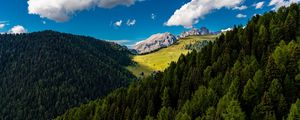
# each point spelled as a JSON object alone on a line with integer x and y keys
{"x": 211, "y": 60}
{"x": 159, "y": 60}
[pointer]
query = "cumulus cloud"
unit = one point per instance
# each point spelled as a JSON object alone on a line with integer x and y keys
{"x": 153, "y": 16}
{"x": 279, "y": 3}
{"x": 241, "y": 16}
{"x": 62, "y": 10}
{"x": 225, "y": 30}
{"x": 259, "y": 5}
{"x": 131, "y": 22}
{"x": 121, "y": 42}
{"x": 243, "y": 7}
{"x": 190, "y": 13}
{"x": 17, "y": 30}
{"x": 118, "y": 23}
{"x": 2, "y": 25}
{"x": 255, "y": 14}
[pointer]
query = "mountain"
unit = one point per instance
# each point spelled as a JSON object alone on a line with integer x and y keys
{"x": 204, "y": 31}
{"x": 43, "y": 74}
{"x": 145, "y": 65}
{"x": 195, "y": 31}
{"x": 250, "y": 73}
{"x": 155, "y": 42}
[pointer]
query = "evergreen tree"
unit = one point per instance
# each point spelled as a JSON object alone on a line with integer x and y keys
{"x": 183, "y": 116}
{"x": 249, "y": 91}
{"x": 234, "y": 112}
{"x": 294, "y": 111}
{"x": 263, "y": 39}
{"x": 272, "y": 71}
{"x": 291, "y": 25}
{"x": 249, "y": 95}
{"x": 210, "y": 114}
{"x": 259, "y": 84}
{"x": 166, "y": 97}
{"x": 165, "y": 113}
{"x": 264, "y": 109}
{"x": 148, "y": 117}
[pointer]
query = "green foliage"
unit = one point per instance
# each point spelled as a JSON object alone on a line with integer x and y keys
{"x": 183, "y": 116}
{"x": 259, "y": 83}
{"x": 165, "y": 114}
{"x": 210, "y": 114}
{"x": 148, "y": 117}
{"x": 166, "y": 97}
{"x": 234, "y": 112}
{"x": 197, "y": 45}
{"x": 275, "y": 89}
{"x": 249, "y": 92}
{"x": 294, "y": 111}
{"x": 45, "y": 73}
{"x": 201, "y": 100}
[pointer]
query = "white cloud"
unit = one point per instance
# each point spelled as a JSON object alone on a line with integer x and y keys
{"x": 131, "y": 22}
{"x": 279, "y": 3}
{"x": 241, "y": 16}
{"x": 259, "y": 5}
{"x": 153, "y": 16}
{"x": 118, "y": 23}
{"x": 190, "y": 13}
{"x": 121, "y": 42}
{"x": 2, "y": 25}
{"x": 243, "y": 7}
{"x": 256, "y": 14}
{"x": 225, "y": 30}
{"x": 61, "y": 10}
{"x": 17, "y": 30}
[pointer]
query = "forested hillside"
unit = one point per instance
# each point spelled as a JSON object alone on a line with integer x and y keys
{"x": 248, "y": 73}
{"x": 43, "y": 74}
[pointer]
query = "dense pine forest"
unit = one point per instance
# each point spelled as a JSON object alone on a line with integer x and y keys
{"x": 45, "y": 73}
{"x": 250, "y": 73}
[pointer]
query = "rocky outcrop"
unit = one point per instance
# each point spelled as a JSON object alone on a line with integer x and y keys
{"x": 155, "y": 42}
{"x": 195, "y": 31}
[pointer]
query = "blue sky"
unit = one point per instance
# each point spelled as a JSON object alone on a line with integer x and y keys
{"x": 97, "y": 18}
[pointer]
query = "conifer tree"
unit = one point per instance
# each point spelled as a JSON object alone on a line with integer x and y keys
{"x": 294, "y": 111}
{"x": 234, "y": 111}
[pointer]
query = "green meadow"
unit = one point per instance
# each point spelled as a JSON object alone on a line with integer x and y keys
{"x": 160, "y": 60}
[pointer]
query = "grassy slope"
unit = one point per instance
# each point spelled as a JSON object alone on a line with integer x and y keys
{"x": 159, "y": 60}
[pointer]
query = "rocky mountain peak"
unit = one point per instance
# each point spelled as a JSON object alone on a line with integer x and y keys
{"x": 155, "y": 42}
{"x": 195, "y": 31}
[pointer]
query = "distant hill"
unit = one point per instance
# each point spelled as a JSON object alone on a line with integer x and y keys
{"x": 155, "y": 42}
{"x": 159, "y": 60}
{"x": 42, "y": 74}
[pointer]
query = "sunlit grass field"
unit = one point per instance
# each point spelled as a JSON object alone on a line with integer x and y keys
{"x": 160, "y": 60}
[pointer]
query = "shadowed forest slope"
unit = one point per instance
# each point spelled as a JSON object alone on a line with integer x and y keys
{"x": 43, "y": 74}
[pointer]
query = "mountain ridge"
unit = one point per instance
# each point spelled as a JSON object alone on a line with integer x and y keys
{"x": 155, "y": 42}
{"x": 161, "y": 40}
